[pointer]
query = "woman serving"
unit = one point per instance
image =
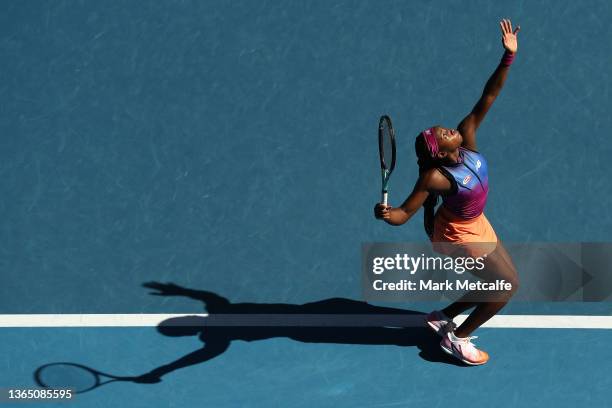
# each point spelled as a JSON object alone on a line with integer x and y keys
{"x": 451, "y": 167}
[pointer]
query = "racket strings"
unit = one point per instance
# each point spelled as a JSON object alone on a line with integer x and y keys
{"x": 66, "y": 376}
{"x": 386, "y": 144}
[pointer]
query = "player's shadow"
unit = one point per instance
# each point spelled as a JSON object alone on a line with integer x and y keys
{"x": 336, "y": 320}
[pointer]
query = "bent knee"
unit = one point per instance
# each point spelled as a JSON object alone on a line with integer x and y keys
{"x": 515, "y": 285}
{"x": 513, "y": 280}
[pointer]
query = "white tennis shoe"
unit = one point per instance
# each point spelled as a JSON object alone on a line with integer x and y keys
{"x": 463, "y": 349}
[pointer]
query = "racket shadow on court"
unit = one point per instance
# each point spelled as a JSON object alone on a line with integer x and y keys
{"x": 335, "y": 320}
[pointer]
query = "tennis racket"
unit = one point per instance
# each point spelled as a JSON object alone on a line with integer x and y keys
{"x": 386, "y": 149}
{"x": 73, "y": 376}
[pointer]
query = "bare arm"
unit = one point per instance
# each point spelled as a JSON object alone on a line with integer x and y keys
{"x": 431, "y": 182}
{"x": 400, "y": 215}
{"x": 494, "y": 85}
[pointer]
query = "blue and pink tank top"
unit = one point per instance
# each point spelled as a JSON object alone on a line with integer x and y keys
{"x": 471, "y": 179}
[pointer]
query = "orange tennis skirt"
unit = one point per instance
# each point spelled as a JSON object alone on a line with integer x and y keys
{"x": 456, "y": 236}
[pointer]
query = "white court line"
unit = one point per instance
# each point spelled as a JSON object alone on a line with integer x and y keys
{"x": 302, "y": 320}
{"x": 547, "y": 322}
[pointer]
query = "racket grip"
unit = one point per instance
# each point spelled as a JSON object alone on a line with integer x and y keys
{"x": 384, "y": 197}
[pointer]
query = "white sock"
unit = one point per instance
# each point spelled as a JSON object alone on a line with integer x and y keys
{"x": 455, "y": 338}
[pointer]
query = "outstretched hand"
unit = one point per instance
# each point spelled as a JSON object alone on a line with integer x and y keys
{"x": 164, "y": 289}
{"x": 508, "y": 36}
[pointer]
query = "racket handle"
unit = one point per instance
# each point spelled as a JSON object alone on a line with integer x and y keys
{"x": 384, "y": 197}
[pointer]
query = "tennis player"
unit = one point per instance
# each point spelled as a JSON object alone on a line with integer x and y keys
{"x": 450, "y": 166}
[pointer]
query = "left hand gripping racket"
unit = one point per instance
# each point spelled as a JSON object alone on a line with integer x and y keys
{"x": 386, "y": 149}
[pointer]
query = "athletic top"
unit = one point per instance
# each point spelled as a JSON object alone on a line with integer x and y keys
{"x": 470, "y": 180}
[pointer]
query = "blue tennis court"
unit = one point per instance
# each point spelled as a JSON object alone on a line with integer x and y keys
{"x": 230, "y": 147}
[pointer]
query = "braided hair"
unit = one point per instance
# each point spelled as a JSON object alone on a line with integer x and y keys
{"x": 426, "y": 162}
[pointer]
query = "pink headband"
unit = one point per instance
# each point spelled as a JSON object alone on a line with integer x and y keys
{"x": 432, "y": 143}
